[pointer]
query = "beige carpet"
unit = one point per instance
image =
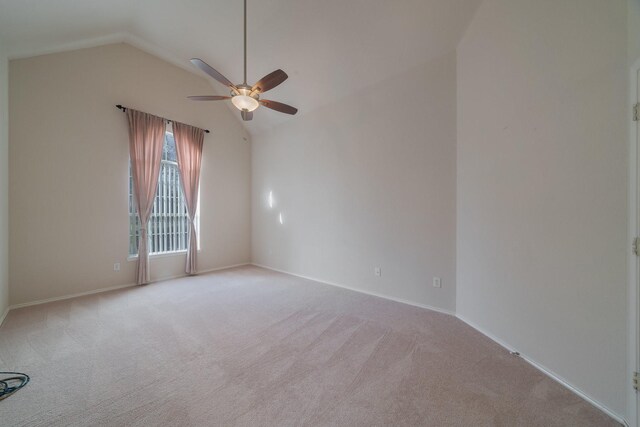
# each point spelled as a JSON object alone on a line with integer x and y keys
{"x": 250, "y": 347}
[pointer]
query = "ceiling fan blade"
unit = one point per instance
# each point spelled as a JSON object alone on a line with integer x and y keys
{"x": 279, "y": 106}
{"x": 213, "y": 73}
{"x": 208, "y": 98}
{"x": 246, "y": 115}
{"x": 270, "y": 81}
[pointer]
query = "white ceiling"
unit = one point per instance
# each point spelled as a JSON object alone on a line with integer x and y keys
{"x": 329, "y": 48}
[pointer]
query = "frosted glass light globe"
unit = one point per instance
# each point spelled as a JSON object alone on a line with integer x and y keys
{"x": 244, "y": 102}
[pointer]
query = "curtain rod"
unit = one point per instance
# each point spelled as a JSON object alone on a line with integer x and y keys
{"x": 120, "y": 107}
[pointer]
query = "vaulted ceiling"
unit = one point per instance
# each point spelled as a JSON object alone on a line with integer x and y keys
{"x": 330, "y": 48}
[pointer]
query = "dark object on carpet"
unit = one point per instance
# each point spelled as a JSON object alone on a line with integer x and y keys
{"x": 11, "y": 383}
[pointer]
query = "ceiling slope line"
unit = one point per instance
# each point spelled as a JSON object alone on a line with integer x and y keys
{"x": 130, "y": 39}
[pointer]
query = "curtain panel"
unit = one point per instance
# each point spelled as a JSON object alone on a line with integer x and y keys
{"x": 146, "y": 140}
{"x": 189, "y": 143}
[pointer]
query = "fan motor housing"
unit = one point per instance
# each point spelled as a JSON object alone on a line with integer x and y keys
{"x": 245, "y": 90}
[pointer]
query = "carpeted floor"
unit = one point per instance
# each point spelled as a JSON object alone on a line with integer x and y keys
{"x": 251, "y": 347}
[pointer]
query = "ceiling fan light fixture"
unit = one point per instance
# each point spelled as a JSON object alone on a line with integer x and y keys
{"x": 244, "y": 102}
{"x": 244, "y": 97}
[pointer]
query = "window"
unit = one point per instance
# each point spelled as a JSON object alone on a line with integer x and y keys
{"x": 169, "y": 222}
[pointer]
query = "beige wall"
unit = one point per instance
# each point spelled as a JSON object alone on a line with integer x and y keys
{"x": 633, "y": 29}
{"x": 633, "y": 26}
{"x": 542, "y": 181}
{"x": 69, "y": 169}
{"x": 367, "y": 181}
{"x": 370, "y": 181}
{"x": 4, "y": 182}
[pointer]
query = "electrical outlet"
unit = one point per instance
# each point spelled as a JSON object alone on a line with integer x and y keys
{"x": 377, "y": 271}
{"x": 116, "y": 266}
{"x": 437, "y": 283}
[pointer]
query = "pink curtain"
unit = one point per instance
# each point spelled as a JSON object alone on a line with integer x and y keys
{"x": 189, "y": 142}
{"x": 146, "y": 139}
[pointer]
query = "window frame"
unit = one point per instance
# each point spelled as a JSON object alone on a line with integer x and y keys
{"x": 132, "y": 211}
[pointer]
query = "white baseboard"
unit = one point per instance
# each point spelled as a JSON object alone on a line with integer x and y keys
{"x": 199, "y": 273}
{"x": 507, "y": 346}
{"x": 111, "y": 288}
{"x": 529, "y": 360}
{"x": 226, "y": 267}
{"x": 63, "y": 297}
{"x": 375, "y": 294}
{"x": 549, "y": 373}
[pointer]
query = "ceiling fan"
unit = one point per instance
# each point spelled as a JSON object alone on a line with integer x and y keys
{"x": 244, "y": 97}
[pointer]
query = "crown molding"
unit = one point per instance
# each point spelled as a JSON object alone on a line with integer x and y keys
{"x": 132, "y": 40}
{"x": 113, "y": 38}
